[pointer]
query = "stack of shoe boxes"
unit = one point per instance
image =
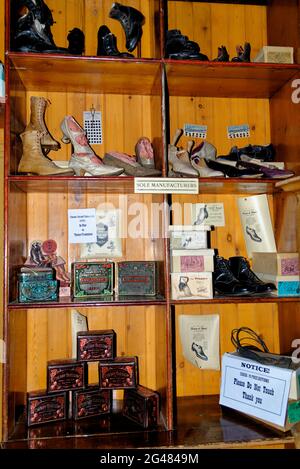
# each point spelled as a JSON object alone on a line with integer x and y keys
{"x": 192, "y": 263}
{"x": 69, "y": 394}
{"x": 282, "y": 269}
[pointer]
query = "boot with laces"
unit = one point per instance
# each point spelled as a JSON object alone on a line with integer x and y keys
{"x": 84, "y": 161}
{"x": 225, "y": 282}
{"x": 34, "y": 161}
{"x": 131, "y": 20}
{"x": 38, "y": 106}
{"x": 240, "y": 268}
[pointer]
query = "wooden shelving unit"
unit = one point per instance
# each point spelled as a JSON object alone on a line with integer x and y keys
{"x": 153, "y": 96}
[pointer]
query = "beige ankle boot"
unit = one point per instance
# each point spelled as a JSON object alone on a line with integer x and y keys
{"x": 37, "y": 122}
{"x": 34, "y": 161}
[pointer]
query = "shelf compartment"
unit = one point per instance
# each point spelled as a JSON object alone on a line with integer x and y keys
{"x": 224, "y": 80}
{"x": 46, "y": 73}
{"x": 67, "y": 302}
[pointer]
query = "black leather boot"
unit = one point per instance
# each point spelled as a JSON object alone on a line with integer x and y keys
{"x": 243, "y": 54}
{"x": 180, "y": 47}
{"x": 225, "y": 283}
{"x": 131, "y": 20}
{"x": 76, "y": 41}
{"x": 107, "y": 44}
{"x": 240, "y": 268}
{"x": 31, "y": 27}
{"x": 223, "y": 55}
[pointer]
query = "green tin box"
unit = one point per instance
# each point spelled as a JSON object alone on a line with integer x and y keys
{"x": 138, "y": 278}
{"x": 37, "y": 290}
{"x": 92, "y": 279}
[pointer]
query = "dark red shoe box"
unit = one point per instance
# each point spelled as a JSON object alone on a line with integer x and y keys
{"x": 91, "y": 402}
{"x": 142, "y": 406}
{"x": 122, "y": 373}
{"x": 66, "y": 375}
{"x": 45, "y": 408}
{"x": 96, "y": 345}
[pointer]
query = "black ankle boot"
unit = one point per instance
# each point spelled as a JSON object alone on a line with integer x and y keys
{"x": 76, "y": 42}
{"x": 243, "y": 54}
{"x": 240, "y": 268}
{"x": 31, "y": 31}
{"x": 131, "y": 21}
{"x": 223, "y": 55}
{"x": 225, "y": 283}
{"x": 107, "y": 44}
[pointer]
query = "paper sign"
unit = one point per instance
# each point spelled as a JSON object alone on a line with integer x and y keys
{"x": 257, "y": 224}
{"x": 238, "y": 131}
{"x": 195, "y": 131}
{"x": 166, "y": 186}
{"x": 82, "y": 225}
{"x": 208, "y": 214}
{"x": 255, "y": 389}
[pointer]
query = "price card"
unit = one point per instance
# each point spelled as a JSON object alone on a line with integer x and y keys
{"x": 82, "y": 225}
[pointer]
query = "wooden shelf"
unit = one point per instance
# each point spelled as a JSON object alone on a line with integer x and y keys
{"x": 238, "y": 299}
{"x": 227, "y": 79}
{"x": 125, "y": 185}
{"x": 68, "y": 302}
{"x": 202, "y": 424}
{"x": 47, "y": 72}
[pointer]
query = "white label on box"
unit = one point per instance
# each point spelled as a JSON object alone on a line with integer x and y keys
{"x": 82, "y": 225}
{"x": 194, "y": 285}
{"x": 255, "y": 389}
{"x": 166, "y": 186}
{"x": 208, "y": 214}
{"x": 188, "y": 240}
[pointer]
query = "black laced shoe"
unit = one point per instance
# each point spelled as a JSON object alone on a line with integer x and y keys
{"x": 107, "y": 44}
{"x": 225, "y": 283}
{"x": 131, "y": 20}
{"x": 241, "y": 270}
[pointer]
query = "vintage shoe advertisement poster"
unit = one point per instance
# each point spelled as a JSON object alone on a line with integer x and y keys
{"x": 257, "y": 225}
{"x": 200, "y": 340}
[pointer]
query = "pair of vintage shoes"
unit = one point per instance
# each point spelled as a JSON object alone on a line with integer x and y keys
{"x": 131, "y": 21}
{"x": 180, "y": 47}
{"x": 243, "y": 54}
{"x": 233, "y": 277}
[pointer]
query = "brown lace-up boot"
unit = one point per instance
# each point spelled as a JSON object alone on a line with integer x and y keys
{"x": 34, "y": 161}
{"x": 38, "y": 107}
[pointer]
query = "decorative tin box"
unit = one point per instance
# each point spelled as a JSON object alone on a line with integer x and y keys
{"x": 66, "y": 375}
{"x": 96, "y": 345}
{"x": 119, "y": 374}
{"x": 142, "y": 406}
{"x": 37, "y": 284}
{"x": 193, "y": 285}
{"x": 285, "y": 285}
{"x": 138, "y": 278}
{"x": 189, "y": 236}
{"x": 92, "y": 279}
{"x": 90, "y": 402}
{"x": 275, "y": 54}
{"x": 45, "y": 408}
{"x": 200, "y": 260}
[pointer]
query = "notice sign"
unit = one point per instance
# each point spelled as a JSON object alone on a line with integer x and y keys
{"x": 82, "y": 225}
{"x": 255, "y": 389}
{"x": 166, "y": 185}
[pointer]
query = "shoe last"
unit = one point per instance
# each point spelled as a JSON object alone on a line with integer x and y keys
{"x": 144, "y": 152}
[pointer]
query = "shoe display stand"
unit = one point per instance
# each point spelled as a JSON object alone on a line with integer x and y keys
{"x": 147, "y": 96}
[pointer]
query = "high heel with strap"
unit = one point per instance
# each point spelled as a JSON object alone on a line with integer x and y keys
{"x": 84, "y": 161}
